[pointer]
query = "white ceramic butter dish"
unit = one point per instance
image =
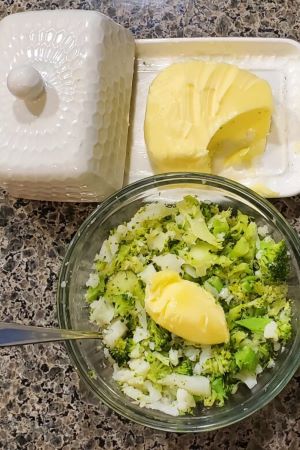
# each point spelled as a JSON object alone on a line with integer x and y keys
{"x": 65, "y": 89}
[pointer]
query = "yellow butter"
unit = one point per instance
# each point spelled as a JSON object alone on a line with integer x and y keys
{"x": 198, "y": 112}
{"x": 264, "y": 191}
{"x": 185, "y": 309}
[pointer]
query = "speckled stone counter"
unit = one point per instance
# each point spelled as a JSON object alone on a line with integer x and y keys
{"x": 42, "y": 405}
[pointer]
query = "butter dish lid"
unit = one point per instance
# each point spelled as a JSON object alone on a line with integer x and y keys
{"x": 65, "y": 88}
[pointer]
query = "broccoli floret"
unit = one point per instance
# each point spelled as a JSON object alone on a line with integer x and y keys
{"x": 124, "y": 282}
{"x": 246, "y": 359}
{"x": 157, "y": 370}
{"x": 218, "y": 393}
{"x": 185, "y": 367}
{"x": 93, "y": 293}
{"x": 120, "y": 351}
{"x": 237, "y": 336}
{"x": 124, "y": 304}
{"x": 254, "y": 306}
{"x": 132, "y": 321}
{"x": 239, "y": 224}
{"x": 189, "y": 205}
{"x": 219, "y": 363}
{"x": 273, "y": 260}
{"x": 284, "y": 331}
{"x": 160, "y": 336}
{"x": 215, "y": 282}
{"x": 209, "y": 210}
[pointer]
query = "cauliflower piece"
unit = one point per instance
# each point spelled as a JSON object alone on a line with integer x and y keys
{"x": 185, "y": 400}
{"x": 93, "y": 280}
{"x": 248, "y": 378}
{"x": 102, "y": 312}
{"x": 173, "y": 357}
{"x": 271, "y": 331}
{"x": 154, "y": 393}
{"x": 263, "y": 230}
{"x": 147, "y": 273}
{"x": 191, "y": 353}
{"x": 204, "y": 356}
{"x": 140, "y": 334}
{"x": 195, "y": 384}
{"x": 169, "y": 262}
{"x": 115, "y": 331}
{"x": 139, "y": 366}
{"x": 164, "y": 406}
{"x": 135, "y": 352}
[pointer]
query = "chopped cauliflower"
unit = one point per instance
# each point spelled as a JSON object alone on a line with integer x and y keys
{"x": 185, "y": 400}
{"x": 115, "y": 331}
{"x": 173, "y": 357}
{"x": 139, "y": 366}
{"x": 102, "y": 312}
{"x": 196, "y": 384}
{"x": 140, "y": 334}
{"x": 271, "y": 331}
{"x": 147, "y": 273}
{"x": 93, "y": 280}
{"x": 169, "y": 262}
{"x": 248, "y": 378}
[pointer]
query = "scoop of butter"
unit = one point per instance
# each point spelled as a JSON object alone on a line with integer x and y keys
{"x": 185, "y": 309}
{"x": 200, "y": 110}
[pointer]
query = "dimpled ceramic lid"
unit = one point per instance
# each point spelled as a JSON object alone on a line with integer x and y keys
{"x": 65, "y": 88}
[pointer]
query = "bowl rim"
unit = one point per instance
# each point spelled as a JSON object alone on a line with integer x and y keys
{"x": 255, "y": 200}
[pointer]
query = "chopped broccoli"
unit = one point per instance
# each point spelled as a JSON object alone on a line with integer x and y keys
{"x": 246, "y": 359}
{"x": 240, "y": 249}
{"x": 219, "y": 363}
{"x": 124, "y": 304}
{"x": 209, "y": 210}
{"x": 157, "y": 370}
{"x": 237, "y": 336}
{"x": 239, "y": 225}
{"x": 124, "y": 282}
{"x": 273, "y": 260}
{"x": 218, "y": 393}
{"x": 93, "y": 293}
{"x": 285, "y": 331}
{"x": 185, "y": 367}
{"x": 120, "y": 351}
{"x": 160, "y": 336}
{"x": 215, "y": 282}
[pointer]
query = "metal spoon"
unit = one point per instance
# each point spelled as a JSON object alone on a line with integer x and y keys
{"x": 15, "y": 334}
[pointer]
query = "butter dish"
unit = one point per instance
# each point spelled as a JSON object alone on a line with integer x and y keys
{"x": 276, "y": 172}
{"x": 65, "y": 90}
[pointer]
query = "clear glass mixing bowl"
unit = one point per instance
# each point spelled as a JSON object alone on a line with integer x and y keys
{"x": 88, "y": 356}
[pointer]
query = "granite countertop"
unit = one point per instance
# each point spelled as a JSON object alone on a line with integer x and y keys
{"x": 42, "y": 404}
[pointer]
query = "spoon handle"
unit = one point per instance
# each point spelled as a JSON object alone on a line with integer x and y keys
{"x": 15, "y": 334}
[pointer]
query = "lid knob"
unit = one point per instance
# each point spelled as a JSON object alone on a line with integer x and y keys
{"x": 25, "y": 82}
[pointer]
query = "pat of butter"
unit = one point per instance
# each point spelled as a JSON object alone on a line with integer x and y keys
{"x": 185, "y": 309}
{"x": 264, "y": 191}
{"x": 197, "y": 111}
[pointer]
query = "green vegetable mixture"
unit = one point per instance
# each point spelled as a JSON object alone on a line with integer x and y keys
{"x": 226, "y": 253}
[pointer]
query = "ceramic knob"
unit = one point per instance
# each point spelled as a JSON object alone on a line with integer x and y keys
{"x": 25, "y": 82}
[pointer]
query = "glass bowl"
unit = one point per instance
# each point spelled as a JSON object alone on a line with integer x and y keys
{"x": 87, "y": 355}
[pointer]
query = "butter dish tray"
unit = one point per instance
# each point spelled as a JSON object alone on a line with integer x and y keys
{"x": 276, "y": 173}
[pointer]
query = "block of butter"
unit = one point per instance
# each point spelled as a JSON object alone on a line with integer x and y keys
{"x": 202, "y": 116}
{"x": 65, "y": 92}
